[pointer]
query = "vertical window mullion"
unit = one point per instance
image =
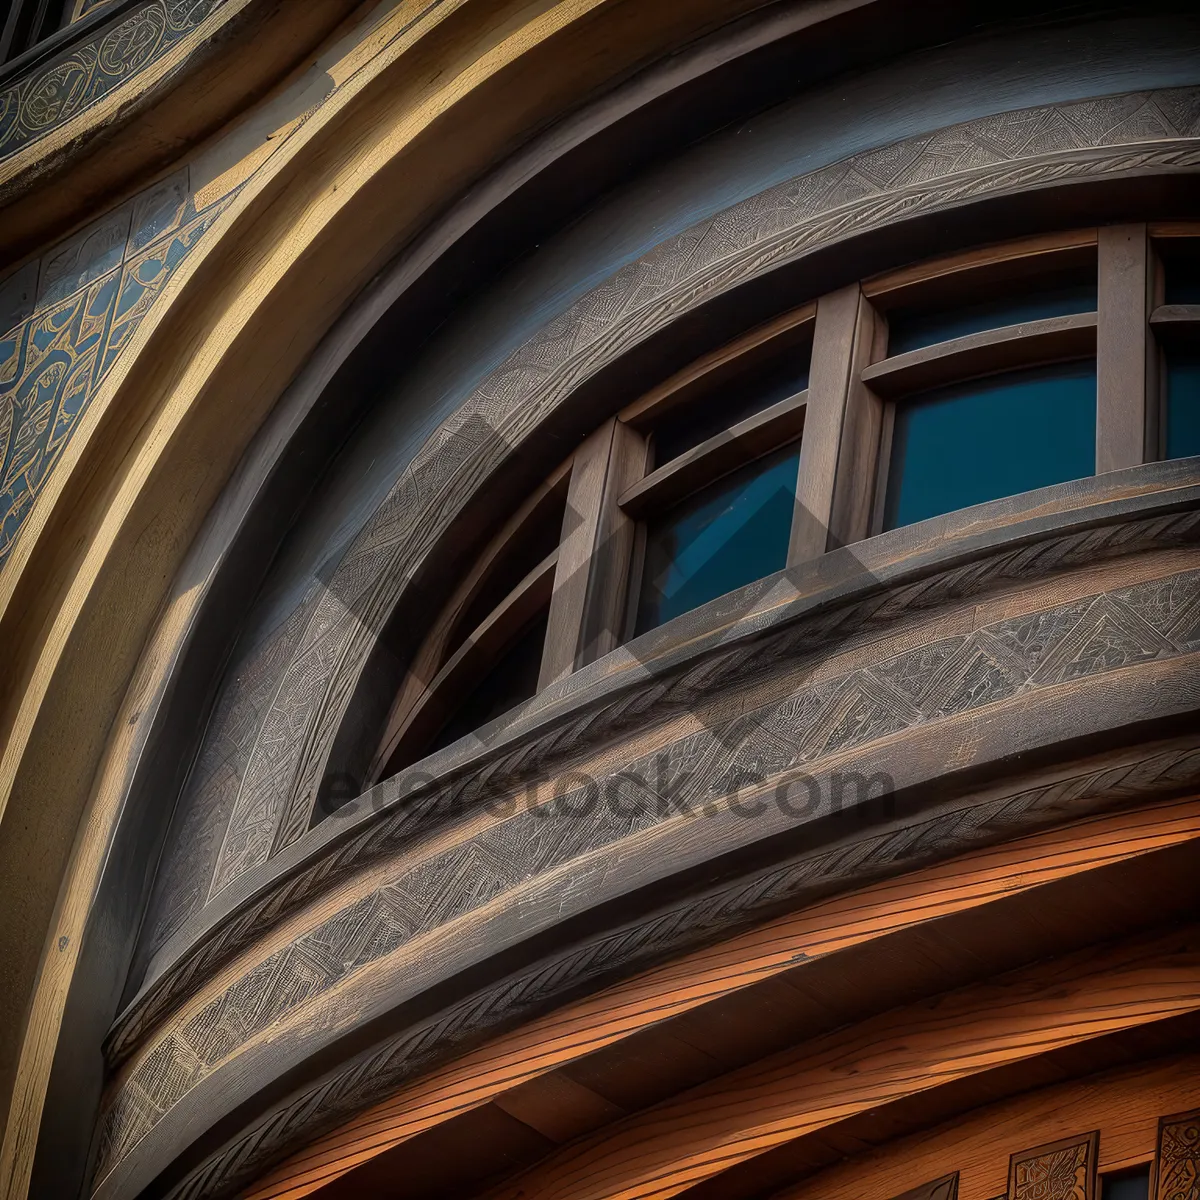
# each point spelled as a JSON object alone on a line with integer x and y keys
{"x": 587, "y": 612}
{"x": 1125, "y": 399}
{"x": 841, "y": 430}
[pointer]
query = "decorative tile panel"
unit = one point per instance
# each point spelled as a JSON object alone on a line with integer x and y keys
{"x": 92, "y": 292}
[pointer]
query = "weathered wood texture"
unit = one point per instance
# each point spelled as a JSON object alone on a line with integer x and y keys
{"x": 790, "y": 947}
{"x": 1123, "y": 350}
{"x": 1125, "y": 1103}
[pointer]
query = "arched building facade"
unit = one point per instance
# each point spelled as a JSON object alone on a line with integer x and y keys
{"x": 600, "y": 598}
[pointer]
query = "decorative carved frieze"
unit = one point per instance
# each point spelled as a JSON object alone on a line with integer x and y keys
{"x": 1063, "y": 1170}
{"x": 54, "y": 92}
{"x": 1145, "y": 625}
{"x": 1177, "y": 1162}
{"x": 555, "y": 745}
{"x": 264, "y": 794}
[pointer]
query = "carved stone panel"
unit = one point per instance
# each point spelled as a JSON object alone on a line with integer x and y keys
{"x": 1177, "y": 1163}
{"x": 1063, "y": 1170}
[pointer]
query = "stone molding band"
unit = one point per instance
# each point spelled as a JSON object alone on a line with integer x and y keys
{"x": 1027, "y": 683}
{"x": 277, "y": 784}
{"x": 843, "y": 595}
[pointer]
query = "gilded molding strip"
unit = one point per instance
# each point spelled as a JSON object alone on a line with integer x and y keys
{"x": 270, "y": 794}
{"x": 684, "y": 689}
{"x": 1177, "y": 1161}
{"x": 55, "y": 92}
{"x": 1154, "y": 621}
{"x": 1063, "y": 1170}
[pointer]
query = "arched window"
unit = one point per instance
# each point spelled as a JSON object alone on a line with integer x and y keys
{"x": 908, "y": 396}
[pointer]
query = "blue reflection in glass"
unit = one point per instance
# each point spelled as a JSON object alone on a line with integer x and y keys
{"x": 1135, "y": 1186}
{"x": 913, "y": 329}
{"x": 989, "y": 438}
{"x": 729, "y": 534}
{"x": 1183, "y": 403}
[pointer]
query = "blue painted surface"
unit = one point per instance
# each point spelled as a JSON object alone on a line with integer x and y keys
{"x": 728, "y": 535}
{"x": 1183, "y": 404}
{"x": 989, "y": 438}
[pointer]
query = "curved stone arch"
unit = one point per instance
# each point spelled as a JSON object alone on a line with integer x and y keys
{"x": 377, "y": 919}
{"x": 1106, "y": 138}
{"x": 81, "y": 716}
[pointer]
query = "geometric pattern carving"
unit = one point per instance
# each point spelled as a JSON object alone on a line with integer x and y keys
{"x": 377, "y": 1073}
{"x": 1030, "y": 647}
{"x": 1177, "y": 1162}
{"x": 54, "y": 92}
{"x": 945, "y": 1188}
{"x": 1063, "y": 1170}
{"x": 422, "y": 893}
{"x": 265, "y": 797}
{"x": 87, "y": 295}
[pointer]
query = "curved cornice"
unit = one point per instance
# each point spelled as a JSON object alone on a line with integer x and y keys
{"x": 972, "y": 660}
{"x": 840, "y": 596}
{"x": 93, "y": 84}
{"x": 1114, "y": 137}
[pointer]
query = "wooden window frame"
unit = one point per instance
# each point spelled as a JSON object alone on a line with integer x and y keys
{"x": 441, "y": 663}
{"x": 1169, "y": 325}
{"x": 843, "y": 420}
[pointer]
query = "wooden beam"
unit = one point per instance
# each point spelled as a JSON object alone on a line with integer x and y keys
{"x": 1125, "y": 1103}
{"x": 1122, "y": 347}
{"x": 904, "y": 1052}
{"x": 555, "y": 1041}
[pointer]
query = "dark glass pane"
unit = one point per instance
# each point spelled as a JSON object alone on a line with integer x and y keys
{"x": 1181, "y": 268}
{"x": 1183, "y": 403}
{"x": 992, "y": 437}
{"x": 510, "y": 682}
{"x": 533, "y": 542}
{"x": 698, "y": 421}
{"x": 1127, "y": 1186}
{"x": 910, "y": 329}
{"x": 731, "y": 533}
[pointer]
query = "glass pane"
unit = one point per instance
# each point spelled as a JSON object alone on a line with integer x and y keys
{"x": 698, "y": 421}
{"x": 910, "y": 329}
{"x": 1181, "y": 268}
{"x": 1134, "y": 1186}
{"x": 729, "y": 534}
{"x": 1183, "y": 403}
{"x": 512, "y": 681}
{"x": 989, "y": 438}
